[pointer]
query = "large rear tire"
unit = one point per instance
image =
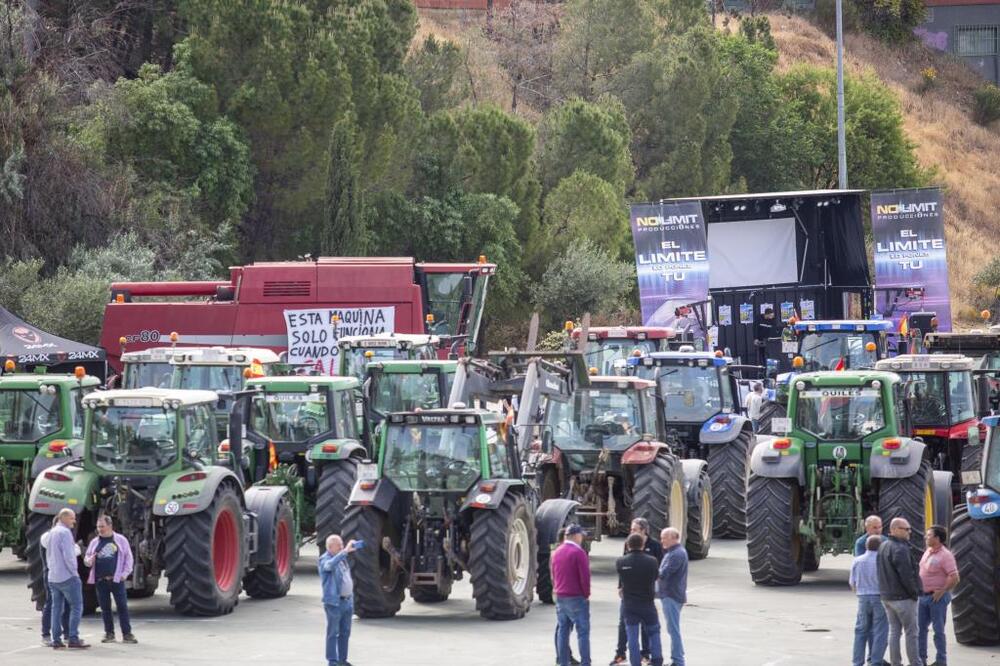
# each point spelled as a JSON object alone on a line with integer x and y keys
{"x": 336, "y": 480}
{"x": 972, "y": 462}
{"x": 273, "y": 580}
{"x": 775, "y": 547}
{"x": 910, "y": 497}
{"x": 658, "y": 495}
{"x": 768, "y": 411}
{"x": 502, "y": 559}
{"x": 699, "y": 517}
{"x": 729, "y": 466}
{"x": 38, "y": 524}
{"x": 379, "y": 585}
{"x": 976, "y": 606}
{"x": 204, "y": 554}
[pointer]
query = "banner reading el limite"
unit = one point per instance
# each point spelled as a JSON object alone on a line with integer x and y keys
{"x": 908, "y": 229}
{"x": 671, "y": 258}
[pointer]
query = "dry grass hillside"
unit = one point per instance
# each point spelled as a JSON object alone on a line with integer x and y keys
{"x": 938, "y": 121}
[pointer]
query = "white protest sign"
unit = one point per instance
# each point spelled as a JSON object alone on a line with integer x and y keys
{"x": 312, "y": 337}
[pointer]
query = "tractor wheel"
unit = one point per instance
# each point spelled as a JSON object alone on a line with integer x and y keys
{"x": 502, "y": 559}
{"x": 270, "y": 581}
{"x": 770, "y": 410}
{"x": 38, "y": 524}
{"x": 729, "y": 465}
{"x": 204, "y": 554}
{"x": 944, "y": 505}
{"x": 658, "y": 494}
{"x": 379, "y": 584}
{"x": 775, "y": 547}
{"x": 699, "y": 517}
{"x": 336, "y": 480}
{"x": 976, "y": 606}
{"x": 810, "y": 558}
{"x": 543, "y": 584}
{"x": 152, "y": 582}
{"x": 972, "y": 462}
{"x": 432, "y": 594}
{"x": 911, "y": 497}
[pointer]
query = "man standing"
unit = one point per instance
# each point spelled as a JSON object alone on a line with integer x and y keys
{"x": 571, "y": 582}
{"x": 870, "y": 629}
{"x": 652, "y": 547}
{"x": 43, "y": 544}
{"x": 338, "y": 598}
{"x": 671, "y": 588}
{"x": 938, "y": 577}
{"x": 873, "y": 527}
{"x": 899, "y": 584}
{"x": 752, "y": 404}
{"x": 109, "y": 557}
{"x": 764, "y": 330}
{"x": 64, "y": 580}
{"x": 637, "y": 574}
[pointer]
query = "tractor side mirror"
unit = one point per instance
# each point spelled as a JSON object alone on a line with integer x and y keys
{"x": 984, "y": 391}
{"x": 366, "y": 388}
{"x": 547, "y": 441}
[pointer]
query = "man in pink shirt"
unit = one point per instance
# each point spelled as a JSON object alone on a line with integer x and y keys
{"x": 938, "y": 576}
{"x": 571, "y": 584}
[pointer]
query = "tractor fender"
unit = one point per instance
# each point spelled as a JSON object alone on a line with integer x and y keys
{"x": 47, "y": 458}
{"x": 692, "y": 470}
{"x": 381, "y": 496}
{"x": 480, "y": 497}
{"x": 714, "y": 431}
{"x": 264, "y": 501}
{"x": 897, "y": 463}
{"x": 336, "y": 449}
{"x": 50, "y": 496}
{"x": 175, "y": 497}
{"x": 768, "y": 462}
{"x": 550, "y": 517}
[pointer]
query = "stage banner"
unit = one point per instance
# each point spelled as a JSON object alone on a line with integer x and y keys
{"x": 911, "y": 267}
{"x": 671, "y": 259}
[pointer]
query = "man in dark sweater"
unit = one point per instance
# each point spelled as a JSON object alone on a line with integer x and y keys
{"x": 637, "y": 574}
{"x": 763, "y": 331}
{"x": 651, "y": 547}
{"x": 899, "y": 587}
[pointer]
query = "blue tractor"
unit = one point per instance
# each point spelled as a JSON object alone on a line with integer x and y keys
{"x": 975, "y": 541}
{"x": 699, "y": 398}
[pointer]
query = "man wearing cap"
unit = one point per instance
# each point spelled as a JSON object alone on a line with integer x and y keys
{"x": 571, "y": 583}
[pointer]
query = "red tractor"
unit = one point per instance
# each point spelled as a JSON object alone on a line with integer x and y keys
{"x": 608, "y": 347}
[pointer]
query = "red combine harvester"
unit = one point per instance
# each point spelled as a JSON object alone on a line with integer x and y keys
{"x": 301, "y": 307}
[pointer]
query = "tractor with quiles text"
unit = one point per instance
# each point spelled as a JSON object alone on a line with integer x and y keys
{"x": 975, "y": 542}
{"x": 842, "y": 454}
{"x": 41, "y": 425}
{"x": 150, "y": 461}
{"x": 445, "y": 496}
{"x": 699, "y": 399}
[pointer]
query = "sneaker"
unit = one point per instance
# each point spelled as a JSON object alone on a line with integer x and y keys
{"x": 58, "y": 645}
{"x": 108, "y": 638}
{"x": 130, "y": 638}
{"x": 46, "y": 641}
{"x": 574, "y": 661}
{"x": 79, "y": 645}
{"x": 618, "y": 660}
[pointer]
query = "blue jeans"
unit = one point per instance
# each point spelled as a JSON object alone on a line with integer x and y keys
{"x": 47, "y": 616}
{"x": 672, "y": 613}
{"x": 871, "y": 629}
{"x": 67, "y": 592}
{"x": 932, "y": 613}
{"x": 623, "y": 635}
{"x": 105, "y": 590}
{"x": 338, "y": 629}
{"x": 646, "y": 622}
{"x": 573, "y": 612}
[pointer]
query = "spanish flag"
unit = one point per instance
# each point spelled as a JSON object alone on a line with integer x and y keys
{"x": 904, "y": 326}
{"x": 256, "y": 369}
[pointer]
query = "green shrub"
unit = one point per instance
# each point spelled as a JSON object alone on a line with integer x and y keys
{"x": 986, "y": 104}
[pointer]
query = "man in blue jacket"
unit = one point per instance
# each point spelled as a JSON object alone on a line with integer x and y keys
{"x": 338, "y": 598}
{"x": 671, "y": 588}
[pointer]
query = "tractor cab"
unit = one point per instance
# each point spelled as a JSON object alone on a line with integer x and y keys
{"x": 982, "y": 346}
{"x": 149, "y": 367}
{"x": 696, "y": 387}
{"x": 405, "y": 386}
{"x": 357, "y": 351}
{"x": 839, "y": 345}
{"x": 608, "y": 348}
{"x": 614, "y": 413}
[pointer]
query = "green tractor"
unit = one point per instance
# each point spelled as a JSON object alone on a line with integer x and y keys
{"x": 150, "y": 461}
{"x": 403, "y": 386}
{"x": 41, "y": 425}
{"x": 445, "y": 496}
{"x": 310, "y": 424}
{"x": 357, "y": 351}
{"x": 840, "y": 456}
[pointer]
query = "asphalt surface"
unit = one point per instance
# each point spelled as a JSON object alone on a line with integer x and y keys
{"x": 728, "y": 621}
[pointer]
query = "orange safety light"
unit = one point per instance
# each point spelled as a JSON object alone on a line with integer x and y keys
{"x": 718, "y": 353}
{"x": 272, "y": 456}
{"x": 592, "y": 370}
{"x": 798, "y": 362}
{"x": 985, "y": 315}
{"x": 568, "y": 326}
{"x": 9, "y": 366}
{"x": 119, "y": 298}
{"x": 429, "y": 318}
{"x": 247, "y": 373}
{"x": 174, "y": 337}
{"x": 870, "y": 346}
{"x": 79, "y": 372}
{"x": 369, "y": 354}
{"x": 636, "y": 352}
{"x": 482, "y": 258}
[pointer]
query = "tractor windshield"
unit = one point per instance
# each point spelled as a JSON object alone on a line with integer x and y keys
{"x": 432, "y": 457}
{"x": 837, "y": 350}
{"x": 28, "y": 415}
{"x": 848, "y": 413}
{"x": 356, "y": 361}
{"x": 602, "y": 354}
{"x": 405, "y": 392}
{"x": 133, "y": 439}
{"x": 218, "y": 378}
{"x": 138, "y": 375}
{"x": 940, "y": 398}
{"x": 691, "y": 394}
{"x": 992, "y": 465}
{"x": 291, "y": 417}
{"x": 595, "y": 419}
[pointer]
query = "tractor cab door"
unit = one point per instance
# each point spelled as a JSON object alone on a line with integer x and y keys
{"x": 991, "y": 461}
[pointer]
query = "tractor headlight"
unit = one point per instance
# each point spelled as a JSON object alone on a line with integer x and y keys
{"x": 800, "y": 386}
{"x": 876, "y": 384}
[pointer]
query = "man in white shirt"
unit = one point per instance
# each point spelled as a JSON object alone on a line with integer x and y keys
{"x": 752, "y": 404}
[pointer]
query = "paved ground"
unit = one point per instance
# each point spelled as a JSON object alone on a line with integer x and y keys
{"x": 728, "y": 621}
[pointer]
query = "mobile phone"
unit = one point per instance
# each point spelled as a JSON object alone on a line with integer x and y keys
{"x": 358, "y": 545}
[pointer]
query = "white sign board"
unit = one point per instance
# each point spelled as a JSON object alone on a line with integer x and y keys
{"x": 312, "y": 337}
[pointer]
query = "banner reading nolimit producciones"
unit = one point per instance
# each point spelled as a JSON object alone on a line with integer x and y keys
{"x": 911, "y": 267}
{"x": 671, "y": 258}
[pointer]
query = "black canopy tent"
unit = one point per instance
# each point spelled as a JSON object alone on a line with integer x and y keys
{"x": 30, "y": 347}
{"x": 831, "y": 260}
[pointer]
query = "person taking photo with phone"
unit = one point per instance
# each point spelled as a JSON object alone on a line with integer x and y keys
{"x": 338, "y": 597}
